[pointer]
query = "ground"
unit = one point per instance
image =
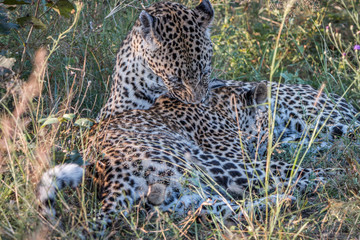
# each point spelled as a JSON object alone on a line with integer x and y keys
{"x": 316, "y": 46}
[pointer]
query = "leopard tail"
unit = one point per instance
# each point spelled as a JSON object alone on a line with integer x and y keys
{"x": 53, "y": 181}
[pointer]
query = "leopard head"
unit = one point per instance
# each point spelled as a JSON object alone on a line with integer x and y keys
{"x": 176, "y": 45}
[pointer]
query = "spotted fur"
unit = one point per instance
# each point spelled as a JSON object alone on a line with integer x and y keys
{"x": 301, "y": 113}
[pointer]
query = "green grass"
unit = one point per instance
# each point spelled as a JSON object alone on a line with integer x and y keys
{"x": 248, "y": 47}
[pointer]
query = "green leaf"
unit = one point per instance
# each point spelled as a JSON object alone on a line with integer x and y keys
{"x": 84, "y": 122}
{"x": 49, "y": 121}
{"x": 16, "y": 2}
{"x": 68, "y": 116}
{"x": 38, "y": 24}
{"x": 62, "y": 7}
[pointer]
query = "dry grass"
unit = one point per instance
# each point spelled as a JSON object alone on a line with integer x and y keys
{"x": 13, "y": 126}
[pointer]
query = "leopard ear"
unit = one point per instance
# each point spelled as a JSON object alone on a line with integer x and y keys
{"x": 205, "y": 13}
{"x": 148, "y": 24}
{"x": 260, "y": 94}
{"x": 216, "y": 83}
{"x": 257, "y": 95}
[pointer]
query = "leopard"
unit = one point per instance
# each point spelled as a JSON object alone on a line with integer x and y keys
{"x": 300, "y": 113}
{"x": 140, "y": 155}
